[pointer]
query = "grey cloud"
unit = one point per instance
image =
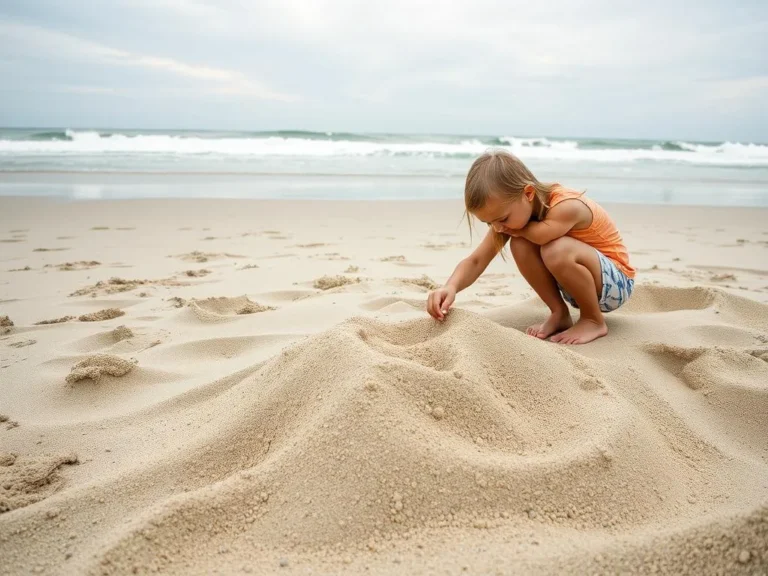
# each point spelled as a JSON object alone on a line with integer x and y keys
{"x": 652, "y": 69}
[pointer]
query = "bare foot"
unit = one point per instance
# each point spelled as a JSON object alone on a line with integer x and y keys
{"x": 557, "y": 322}
{"x": 583, "y": 331}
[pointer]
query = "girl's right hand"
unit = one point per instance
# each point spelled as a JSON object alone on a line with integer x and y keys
{"x": 439, "y": 301}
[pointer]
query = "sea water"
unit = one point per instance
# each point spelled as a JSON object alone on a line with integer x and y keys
{"x": 328, "y": 165}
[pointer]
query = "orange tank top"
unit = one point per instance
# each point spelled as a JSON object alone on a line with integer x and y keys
{"x": 602, "y": 234}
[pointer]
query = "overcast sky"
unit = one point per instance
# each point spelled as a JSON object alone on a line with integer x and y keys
{"x": 614, "y": 68}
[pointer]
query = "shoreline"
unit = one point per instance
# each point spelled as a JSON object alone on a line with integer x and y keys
{"x": 753, "y": 215}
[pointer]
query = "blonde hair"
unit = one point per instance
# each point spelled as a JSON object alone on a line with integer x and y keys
{"x": 501, "y": 173}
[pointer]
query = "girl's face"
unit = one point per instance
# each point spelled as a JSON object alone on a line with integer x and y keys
{"x": 503, "y": 215}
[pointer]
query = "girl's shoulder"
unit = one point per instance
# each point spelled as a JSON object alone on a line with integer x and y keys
{"x": 558, "y": 193}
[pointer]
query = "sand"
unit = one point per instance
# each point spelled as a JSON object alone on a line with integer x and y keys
{"x": 294, "y": 419}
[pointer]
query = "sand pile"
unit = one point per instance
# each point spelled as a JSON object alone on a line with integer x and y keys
{"x": 55, "y": 320}
{"x": 117, "y": 285}
{"x": 79, "y": 265}
{"x": 25, "y": 480}
{"x": 220, "y": 308}
{"x": 328, "y": 282}
{"x": 197, "y": 273}
{"x": 122, "y": 332}
{"x": 100, "y": 364}
{"x": 372, "y": 433}
{"x": 422, "y": 281}
{"x": 106, "y": 314}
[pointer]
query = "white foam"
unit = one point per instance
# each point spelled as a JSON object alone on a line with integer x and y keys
{"x": 92, "y": 143}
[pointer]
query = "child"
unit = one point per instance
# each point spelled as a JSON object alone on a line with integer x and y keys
{"x": 565, "y": 245}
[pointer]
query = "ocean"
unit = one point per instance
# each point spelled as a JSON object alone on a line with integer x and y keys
{"x": 111, "y": 164}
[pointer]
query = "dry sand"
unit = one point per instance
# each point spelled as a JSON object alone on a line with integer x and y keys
{"x": 295, "y": 411}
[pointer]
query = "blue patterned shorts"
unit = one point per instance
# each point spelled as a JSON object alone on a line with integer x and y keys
{"x": 617, "y": 288}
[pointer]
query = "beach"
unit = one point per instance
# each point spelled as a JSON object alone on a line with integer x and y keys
{"x": 196, "y": 386}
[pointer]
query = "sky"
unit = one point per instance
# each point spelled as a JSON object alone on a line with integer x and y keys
{"x": 613, "y": 68}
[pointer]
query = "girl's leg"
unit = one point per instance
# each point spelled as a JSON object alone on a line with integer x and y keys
{"x": 528, "y": 258}
{"x": 576, "y": 267}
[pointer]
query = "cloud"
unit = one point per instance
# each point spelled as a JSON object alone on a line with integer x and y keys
{"x": 22, "y": 40}
{"x": 389, "y": 48}
{"x": 621, "y": 67}
{"x": 82, "y": 89}
{"x": 738, "y": 88}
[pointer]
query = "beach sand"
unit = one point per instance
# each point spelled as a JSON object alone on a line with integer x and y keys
{"x": 199, "y": 386}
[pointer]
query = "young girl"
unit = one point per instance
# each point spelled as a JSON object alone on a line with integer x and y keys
{"x": 565, "y": 245}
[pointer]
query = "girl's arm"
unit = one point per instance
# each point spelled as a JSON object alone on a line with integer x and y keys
{"x": 558, "y": 222}
{"x": 469, "y": 269}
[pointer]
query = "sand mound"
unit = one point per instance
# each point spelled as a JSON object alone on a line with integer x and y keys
{"x": 96, "y": 366}
{"x": 117, "y": 285}
{"x": 197, "y": 273}
{"x": 328, "y": 282}
{"x": 647, "y": 298}
{"x": 55, "y": 320}
{"x": 25, "y": 480}
{"x": 122, "y": 332}
{"x": 106, "y": 314}
{"x": 220, "y": 308}
{"x": 371, "y": 433}
{"x": 79, "y": 265}
{"x": 392, "y": 302}
{"x": 423, "y": 281}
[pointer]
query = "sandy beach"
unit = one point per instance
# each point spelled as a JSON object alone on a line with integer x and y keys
{"x": 234, "y": 386}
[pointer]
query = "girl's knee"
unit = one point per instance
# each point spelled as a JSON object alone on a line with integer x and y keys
{"x": 556, "y": 252}
{"x": 521, "y": 247}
